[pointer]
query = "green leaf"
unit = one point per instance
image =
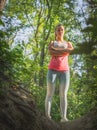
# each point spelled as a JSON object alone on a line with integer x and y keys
{"x": 2, "y": 23}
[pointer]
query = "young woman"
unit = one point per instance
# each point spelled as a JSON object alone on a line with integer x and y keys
{"x": 58, "y": 69}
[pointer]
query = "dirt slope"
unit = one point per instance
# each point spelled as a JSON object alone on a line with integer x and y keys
{"x": 19, "y": 112}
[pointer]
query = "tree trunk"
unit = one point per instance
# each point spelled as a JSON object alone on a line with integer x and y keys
{"x": 2, "y": 4}
{"x": 41, "y": 72}
{"x": 19, "y": 112}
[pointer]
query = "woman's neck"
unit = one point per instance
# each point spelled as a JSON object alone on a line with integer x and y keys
{"x": 60, "y": 39}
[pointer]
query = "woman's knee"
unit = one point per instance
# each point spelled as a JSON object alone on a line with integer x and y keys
{"x": 49, "y": 97}
{"x": 63, "y": 94}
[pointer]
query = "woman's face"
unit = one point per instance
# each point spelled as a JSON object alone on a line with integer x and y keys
{"x": 59, "y": 31}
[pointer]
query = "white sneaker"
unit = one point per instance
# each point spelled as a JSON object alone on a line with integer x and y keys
{"x": 64, "y": 120}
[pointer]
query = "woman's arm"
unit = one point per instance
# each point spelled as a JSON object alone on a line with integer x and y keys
{"x": 56, "y": 52}
{"x": 70, "y": 47}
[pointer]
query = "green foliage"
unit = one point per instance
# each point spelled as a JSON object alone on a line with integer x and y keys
{"x": 39, "y": 96}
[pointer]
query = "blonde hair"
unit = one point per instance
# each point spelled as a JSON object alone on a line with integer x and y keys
{"x": 58, "y": 25}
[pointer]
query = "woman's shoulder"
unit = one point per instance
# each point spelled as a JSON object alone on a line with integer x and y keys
{"x": 51, "y": 42}
{"x": 69, "y": 43}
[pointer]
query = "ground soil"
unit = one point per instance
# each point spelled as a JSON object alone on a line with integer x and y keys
{"x": 19, "y": 112}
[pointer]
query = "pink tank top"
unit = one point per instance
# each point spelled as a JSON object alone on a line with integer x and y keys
{"x": 59, "y": 63}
